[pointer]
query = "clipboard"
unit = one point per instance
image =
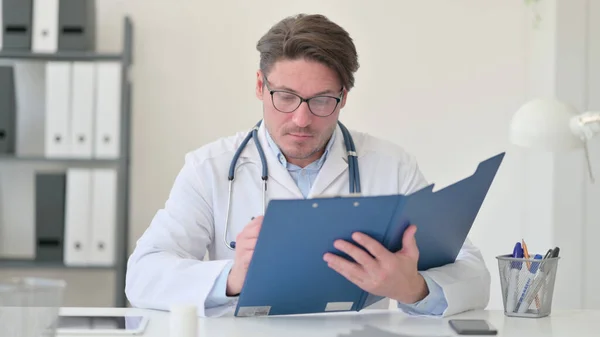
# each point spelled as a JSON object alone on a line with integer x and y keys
{"x": 287, "y": 274}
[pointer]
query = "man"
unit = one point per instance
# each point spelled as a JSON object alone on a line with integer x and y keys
{"x": 307, "y": 66}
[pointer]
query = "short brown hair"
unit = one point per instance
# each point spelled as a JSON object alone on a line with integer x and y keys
{"x": 313, "y": 37}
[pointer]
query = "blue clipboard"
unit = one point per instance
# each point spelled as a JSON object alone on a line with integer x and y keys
{"x": 287, "y": 274}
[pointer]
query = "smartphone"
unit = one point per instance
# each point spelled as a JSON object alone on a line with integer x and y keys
{"x": 472, "y": 327}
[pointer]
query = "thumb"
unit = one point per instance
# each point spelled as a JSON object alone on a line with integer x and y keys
{"x": 409, "y": 243}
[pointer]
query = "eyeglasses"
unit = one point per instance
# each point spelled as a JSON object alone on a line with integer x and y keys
{"x": 321, "y": 106}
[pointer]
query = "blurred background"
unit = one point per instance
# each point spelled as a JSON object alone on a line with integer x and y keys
{"x": 440, "y": 78}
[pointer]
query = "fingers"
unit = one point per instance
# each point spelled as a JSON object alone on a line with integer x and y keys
{"x": 246, "y": 244}
{"x": 251, "y": 230}
{"x": 350, "y": 270}
{"x": 373, "y": 246}
{"x": 357, "y": 253}
{"x": 409, "y": 243}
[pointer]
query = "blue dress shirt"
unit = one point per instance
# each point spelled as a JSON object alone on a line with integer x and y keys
{"x": 433, "y": 304}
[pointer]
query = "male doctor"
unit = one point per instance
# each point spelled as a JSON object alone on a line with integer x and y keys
{"x": 306, "y": 72}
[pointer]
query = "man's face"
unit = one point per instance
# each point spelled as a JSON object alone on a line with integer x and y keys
{"x": 301, "y": 135}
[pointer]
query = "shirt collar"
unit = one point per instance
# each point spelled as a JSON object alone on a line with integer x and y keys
{"x": 279, "y": 155}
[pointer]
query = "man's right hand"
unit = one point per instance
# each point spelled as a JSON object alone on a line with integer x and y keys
{"x": 244, "y": 248}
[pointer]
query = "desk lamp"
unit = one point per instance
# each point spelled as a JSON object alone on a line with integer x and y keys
{"x": 552, "y": 125}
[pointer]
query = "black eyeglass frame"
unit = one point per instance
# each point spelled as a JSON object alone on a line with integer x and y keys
{"x": 302, "y": 99}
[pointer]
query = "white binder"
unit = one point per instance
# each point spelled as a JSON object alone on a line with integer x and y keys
{"x": 1, "y": 25}
{"x": 82, "y": 109}
{"x": 103, "y": 217}
{"x": 108, "y": 110}
{"x": 77, "y": 217}
{"x": 45, "y": 26}
{"x": 58, "y": 85}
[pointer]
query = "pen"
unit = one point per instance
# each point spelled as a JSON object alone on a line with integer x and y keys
{"x": 526, "y": 255}
{"x": 539, "y": 279}
{"x": 513, "y": 281}
{"x": 521, "y": 308}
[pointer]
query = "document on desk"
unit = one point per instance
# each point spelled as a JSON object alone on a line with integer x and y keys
{"x": 287, "y": 274}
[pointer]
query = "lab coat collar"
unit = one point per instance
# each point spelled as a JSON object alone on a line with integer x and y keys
{"x": 335, "y": 164}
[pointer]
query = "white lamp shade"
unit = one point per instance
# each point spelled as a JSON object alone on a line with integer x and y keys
{"x": 544, "y": 124}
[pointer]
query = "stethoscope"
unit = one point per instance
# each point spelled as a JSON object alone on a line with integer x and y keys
{"x": 354, "y": 179}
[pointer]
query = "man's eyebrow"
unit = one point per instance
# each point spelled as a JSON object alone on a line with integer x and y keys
{"x": 329, "y": 92}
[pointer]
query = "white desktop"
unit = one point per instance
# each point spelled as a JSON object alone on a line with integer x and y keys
{"x": 579, "y": 323}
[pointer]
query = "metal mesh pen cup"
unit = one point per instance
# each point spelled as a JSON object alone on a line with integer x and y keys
{"x": 527, "y": 285}
{"x": 29, "y": 307}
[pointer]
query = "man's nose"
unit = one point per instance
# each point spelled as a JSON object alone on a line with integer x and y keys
{"x": 302, "y": 116}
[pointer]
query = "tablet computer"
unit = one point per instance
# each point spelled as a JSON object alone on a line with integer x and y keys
{"x": 101, "y": 324}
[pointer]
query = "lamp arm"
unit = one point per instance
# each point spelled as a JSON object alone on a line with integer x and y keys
{"x": 586, "y": 126}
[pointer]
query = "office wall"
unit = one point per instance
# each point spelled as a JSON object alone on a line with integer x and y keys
{"x": 440, "y": 78}
{"x": 592, "y": 191}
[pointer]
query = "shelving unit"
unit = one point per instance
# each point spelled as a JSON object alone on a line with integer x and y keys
{"x": 121, "y": 164}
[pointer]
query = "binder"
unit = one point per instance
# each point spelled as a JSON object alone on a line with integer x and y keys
{"x": 17, "y": 212}
{"x": 77, "y": 217}
{"x": 108, "y": 110}
{"x": 49, "y": 216}
{"x": 1, "y": 25}
{"x": 30, "y": 100}
{"x": 58, "y": 99}
{"x": 103, "y": 217}
{"x": 77, "y": 25}
{"x": 287, "y": 274}
{"x": 45, "y": 26}
{"x": 16, "y": 20}
{"x": 7, "y": 110}
{"x": 82, "y": 109}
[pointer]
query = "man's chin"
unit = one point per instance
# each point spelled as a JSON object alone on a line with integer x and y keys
{"x": 299, "y": 154}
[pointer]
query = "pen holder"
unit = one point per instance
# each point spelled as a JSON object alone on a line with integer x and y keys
{"x": 527, "y": 285}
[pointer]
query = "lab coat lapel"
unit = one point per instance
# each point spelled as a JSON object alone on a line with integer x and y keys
{"x": 277, "y": 172}
{"x": 335, "y": 164}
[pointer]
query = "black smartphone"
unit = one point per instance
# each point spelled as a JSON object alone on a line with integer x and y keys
{"x": 472, "y": 327}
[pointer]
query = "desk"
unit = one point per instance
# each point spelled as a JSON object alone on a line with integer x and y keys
{"x": 560, "y": 323}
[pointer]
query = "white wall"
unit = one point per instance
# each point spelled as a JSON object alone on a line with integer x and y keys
{"x": 592, "y": 192}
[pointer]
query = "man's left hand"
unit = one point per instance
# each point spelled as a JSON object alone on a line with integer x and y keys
{"x": 388, "y": 274}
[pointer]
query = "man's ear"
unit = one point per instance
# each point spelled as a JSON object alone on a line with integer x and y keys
{"x": 259, "y": 85}
{"x": 343, "y": 102}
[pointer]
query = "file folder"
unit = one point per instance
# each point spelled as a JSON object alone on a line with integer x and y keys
{"x": 1, "y": 25}
{"x": 108, "y": 110}
{"x": 30, "y": 100}
{"x": 49, "y": 216}
{"x": 103, "y": 217}
{"x": 8, "y": 123}
{"x": 45, "y": 26}
{"x": 287, "y": 274}
{"x": 77, "y": 218}
{"x": 77, "y": 25}
{"x": 58, "y": 107}
{"x": 82, "y": 109}
{"x": 16, "y": 21}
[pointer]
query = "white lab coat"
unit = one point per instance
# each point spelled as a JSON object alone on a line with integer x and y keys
{"x": 167, "y": 264}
